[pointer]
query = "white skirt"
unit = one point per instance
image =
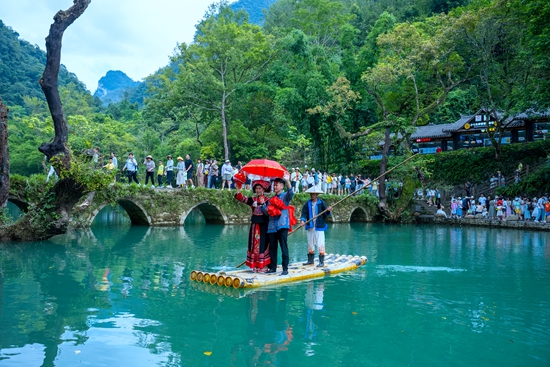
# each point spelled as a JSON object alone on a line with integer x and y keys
{"x": 181, "y": 177}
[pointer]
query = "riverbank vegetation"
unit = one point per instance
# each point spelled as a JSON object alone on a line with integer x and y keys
{"x": 323, "y": 83}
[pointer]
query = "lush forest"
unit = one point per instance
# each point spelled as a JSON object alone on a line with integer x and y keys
{"x": 21, "y": 65}
{"x": 321, "y": 82}
{"x": 254, "y": 8}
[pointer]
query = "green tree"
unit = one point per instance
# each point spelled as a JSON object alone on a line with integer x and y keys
{"x": 418, "y": 67}
{"x": 509, "y": 73}
{"x": 228, "y": 53}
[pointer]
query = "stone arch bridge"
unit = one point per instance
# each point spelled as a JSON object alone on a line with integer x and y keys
{"x": 170, "y": 207}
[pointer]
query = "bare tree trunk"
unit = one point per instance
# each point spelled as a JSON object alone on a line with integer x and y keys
{"x": 48, "y": 82}
{"x": 225, "y": 129}
{"x": 51, "y": 215}
{"x": 4, "y": 156}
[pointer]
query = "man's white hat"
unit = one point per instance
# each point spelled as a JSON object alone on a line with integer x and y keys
{"x": 314, "y": 190}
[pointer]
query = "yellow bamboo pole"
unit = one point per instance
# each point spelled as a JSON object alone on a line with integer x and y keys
{"x": 213, "y": 279}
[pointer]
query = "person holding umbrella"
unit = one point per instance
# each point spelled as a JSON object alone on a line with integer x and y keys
{"x": 257, "y": 254}
{"x": 280, "y": 222}
{"x": 316, "y": 224}
{"x": 281, "y": 216}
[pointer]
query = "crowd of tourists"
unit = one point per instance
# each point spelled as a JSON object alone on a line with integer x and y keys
{"x": 522, "y": 208}
{"x": 187, "y": 173}
{"x": 499, "y": 207}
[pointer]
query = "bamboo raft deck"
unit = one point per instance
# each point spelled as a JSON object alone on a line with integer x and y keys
{"x": 246, "y": 278}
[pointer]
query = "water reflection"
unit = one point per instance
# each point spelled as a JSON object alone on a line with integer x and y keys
{"x": 112, "y": 216}
{"x": 14, "y": 213}
{"x": 313, "y": 311}
{"x": 195, "y": 217}
{"x": 268, "y": 331}
{"x": 121, "y": 294}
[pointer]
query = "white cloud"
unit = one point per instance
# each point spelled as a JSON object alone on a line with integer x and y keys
{"x": 137, "y": 37}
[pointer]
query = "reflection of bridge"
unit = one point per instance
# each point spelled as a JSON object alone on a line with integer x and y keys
{"x": 170, "y": 207}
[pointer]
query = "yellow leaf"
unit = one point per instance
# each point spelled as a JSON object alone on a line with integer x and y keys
{"x": 355, "y": 313}
{"x": 207, "y": 353}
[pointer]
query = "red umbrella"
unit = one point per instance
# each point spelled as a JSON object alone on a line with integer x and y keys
{"x": 264, "y": 169}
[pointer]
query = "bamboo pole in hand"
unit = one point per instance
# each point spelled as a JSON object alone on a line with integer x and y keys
{"x": 353, "y": 193}
{"x": 345, "y": 197}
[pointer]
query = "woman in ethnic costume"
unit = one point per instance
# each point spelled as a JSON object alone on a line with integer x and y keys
{"x": 257, "y": 255}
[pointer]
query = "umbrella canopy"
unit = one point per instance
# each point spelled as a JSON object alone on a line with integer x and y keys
{"x": 258, "y": 169}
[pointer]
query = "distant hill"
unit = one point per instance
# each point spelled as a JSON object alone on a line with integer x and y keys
{"x": 116, "y": 86}
{"x": 254, "y": 8}
{"x": 21, "y": 66}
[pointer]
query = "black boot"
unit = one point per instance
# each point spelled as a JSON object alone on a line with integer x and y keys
{"x": 321, "y": 260}
{"x": 309, "y": 259}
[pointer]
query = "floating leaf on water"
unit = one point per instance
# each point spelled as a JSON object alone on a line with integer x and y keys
{"x": 354, "y": 313}
{"x": 207, "y": 353}
{"x": 282, "y": 299}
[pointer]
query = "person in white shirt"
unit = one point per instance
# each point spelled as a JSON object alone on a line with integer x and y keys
{"x": 295, "y": 179}
{"x": 441, "y": 211}
{"x": 227, "y": 173}
{"x": 482, "y": 200}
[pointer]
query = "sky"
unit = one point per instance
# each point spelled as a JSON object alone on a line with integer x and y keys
{"x": 134, "y": 36}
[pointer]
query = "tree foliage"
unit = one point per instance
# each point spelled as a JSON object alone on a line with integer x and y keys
{"x": 322, "y": 83}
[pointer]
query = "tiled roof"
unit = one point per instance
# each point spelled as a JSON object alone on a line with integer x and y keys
{"x": 532, "y": 114}
{"x": 514, "y": 123}
{"x": 451, "y": 128}
{"x": 431, "y": 131}
{"x": 445, "y": 130}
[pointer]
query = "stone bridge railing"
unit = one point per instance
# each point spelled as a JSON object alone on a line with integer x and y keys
{"x": 170, "y": 207}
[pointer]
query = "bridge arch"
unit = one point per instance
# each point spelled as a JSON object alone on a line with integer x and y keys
{"x": 137, "y": 213}
{"x": 358, "y": 214}
{"x": 22, "y": 205}
{"x": 212, "y": 213}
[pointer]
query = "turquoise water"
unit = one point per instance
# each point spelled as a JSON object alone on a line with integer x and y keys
{"x": 429, "y": 296}
{"x": 13, "y": 212}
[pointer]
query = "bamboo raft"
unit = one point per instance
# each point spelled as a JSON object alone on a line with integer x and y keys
{"x": 296, "y": 272}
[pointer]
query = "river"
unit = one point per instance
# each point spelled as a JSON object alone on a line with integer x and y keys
{"x": 117, "y": 295}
